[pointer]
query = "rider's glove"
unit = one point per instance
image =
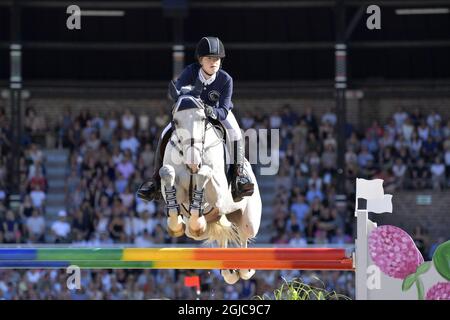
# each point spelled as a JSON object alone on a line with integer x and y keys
{"x": 210, "y": 112}
{"x": 173, "y": 92}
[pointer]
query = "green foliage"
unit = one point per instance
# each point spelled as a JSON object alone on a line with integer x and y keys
{"x": 415, "y": 278}
{"x": 409, "y": 281}
{"x": 423, "y": 268}
{"x": 296, "y": 289}
{"x": 441, "y": 260}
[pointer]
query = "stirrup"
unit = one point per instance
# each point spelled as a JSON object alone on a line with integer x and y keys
{"x": 242, "y": 188}
{"x": 149, "y": 191}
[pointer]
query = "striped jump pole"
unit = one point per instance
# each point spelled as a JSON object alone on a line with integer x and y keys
{"x": 375, "y": 280}
{"x": 178, "y": 258}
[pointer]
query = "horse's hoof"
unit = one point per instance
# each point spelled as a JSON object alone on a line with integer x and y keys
{"x": 198, "y": 226}
{"x": 230, "y": 276}
{"x": 246, "y": 273}
{"x": 197, "y": 233}
{"x": 174, "y": 221}
{"x": 178, "y": 233}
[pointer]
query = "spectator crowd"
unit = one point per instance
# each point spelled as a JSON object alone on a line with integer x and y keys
{"x": 112, "y": 154}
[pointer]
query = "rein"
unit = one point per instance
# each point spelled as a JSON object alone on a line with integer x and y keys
{"x": 207, "y": 125}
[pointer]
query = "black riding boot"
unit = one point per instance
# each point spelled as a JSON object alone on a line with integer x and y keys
{"x": 151, "y": 190}
{"x": 242, "y": 185}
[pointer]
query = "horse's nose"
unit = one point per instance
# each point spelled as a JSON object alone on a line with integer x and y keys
{"x": 193, "y": 168}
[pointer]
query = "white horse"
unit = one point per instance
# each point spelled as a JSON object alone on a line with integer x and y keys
{"x": 195, "y": 188}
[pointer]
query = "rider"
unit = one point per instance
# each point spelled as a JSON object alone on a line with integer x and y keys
{"x": 216, "y": 94}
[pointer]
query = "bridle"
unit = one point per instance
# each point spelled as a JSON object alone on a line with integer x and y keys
{"x": 194, "y": 194}
{"x": 178, "y": 145}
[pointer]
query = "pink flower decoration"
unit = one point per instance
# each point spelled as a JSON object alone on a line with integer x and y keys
{"x": 394, "y": 251}
{"x": 440, "y": 291}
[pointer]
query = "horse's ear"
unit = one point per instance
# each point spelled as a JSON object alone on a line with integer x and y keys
{"x": 198, "y": 88}
{"x": 173, "y": 92}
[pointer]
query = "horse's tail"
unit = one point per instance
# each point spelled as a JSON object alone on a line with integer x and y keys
{"x": 223, "y": 235}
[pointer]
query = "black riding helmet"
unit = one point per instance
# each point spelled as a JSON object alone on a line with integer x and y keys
{"x": 210, "y": 46}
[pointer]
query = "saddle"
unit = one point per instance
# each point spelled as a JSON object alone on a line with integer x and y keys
{"x": 223, "y": 135}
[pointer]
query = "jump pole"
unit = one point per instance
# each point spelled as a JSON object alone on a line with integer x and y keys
{"x": 179, "y": 258}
